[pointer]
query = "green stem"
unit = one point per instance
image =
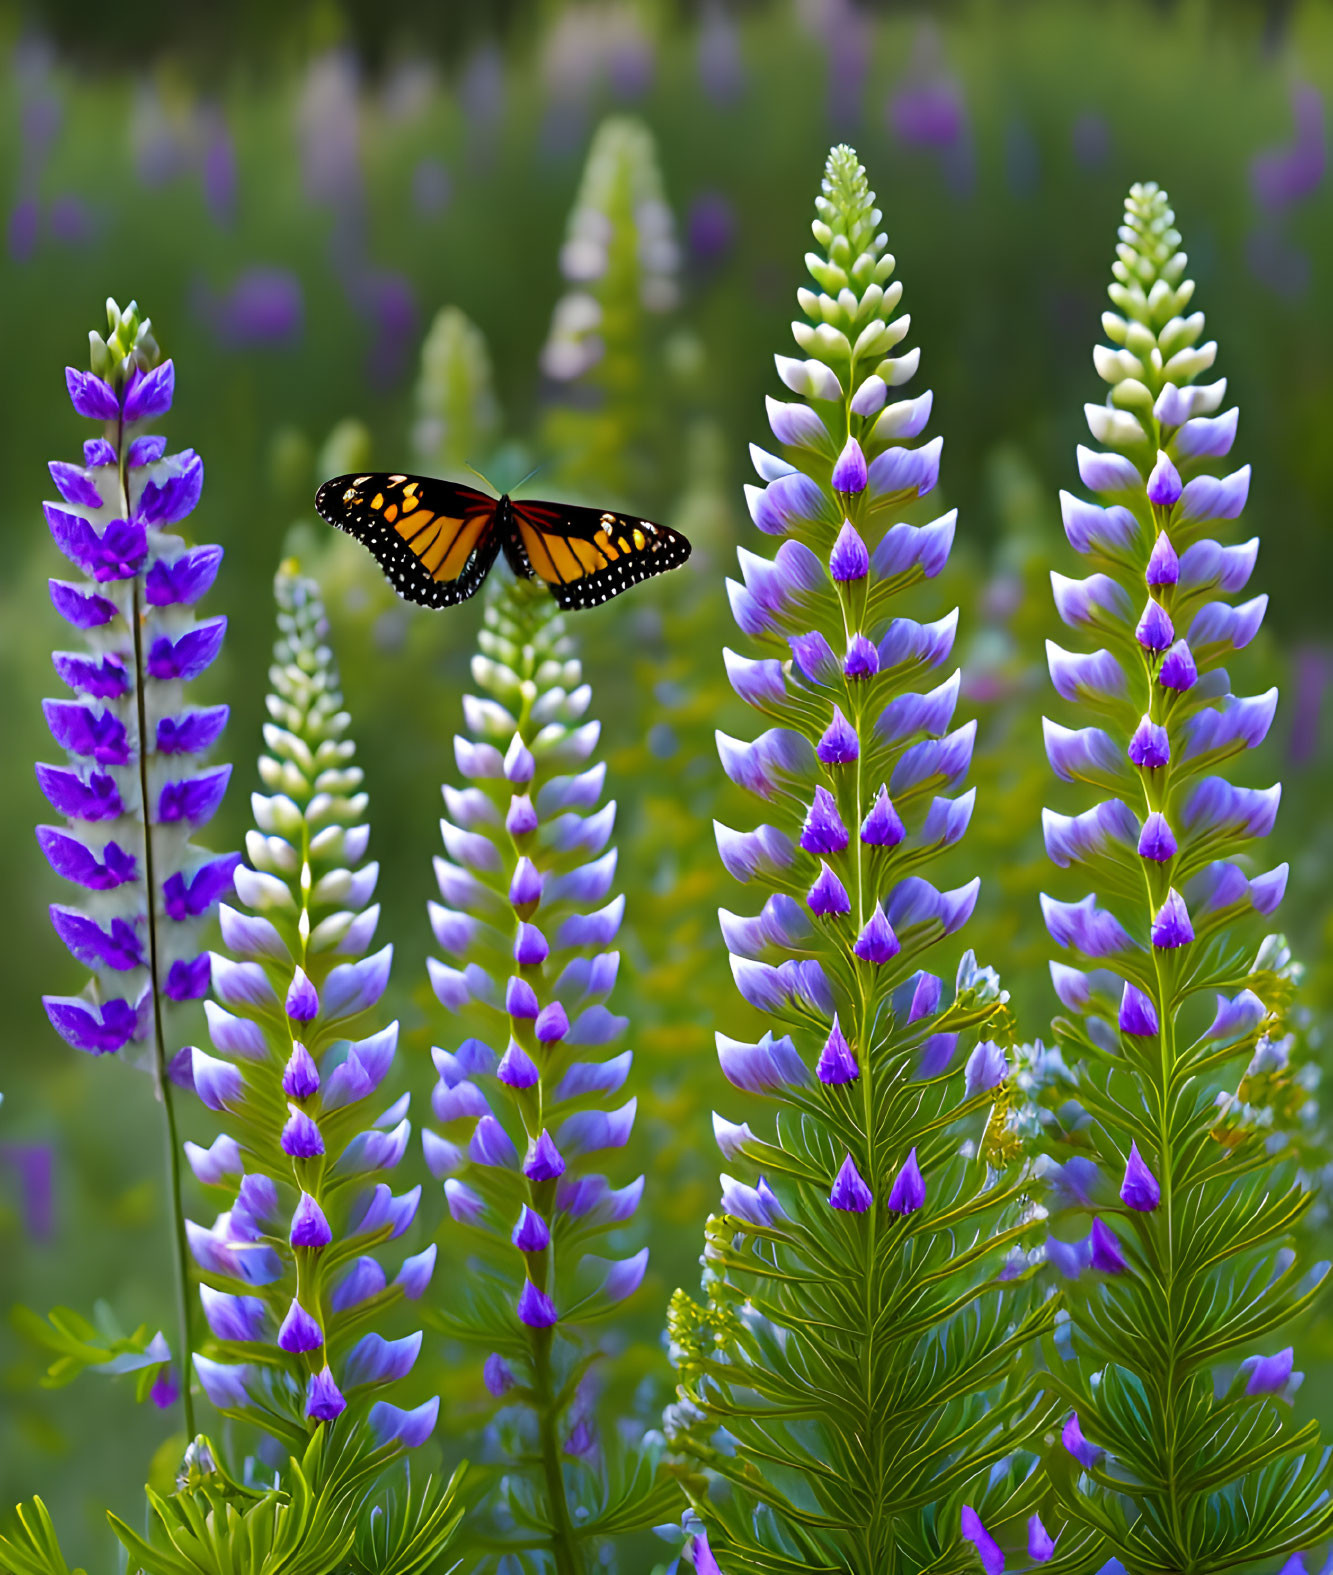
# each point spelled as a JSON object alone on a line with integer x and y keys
{"x": 161, "y": 1079}
{"x": 564, "y": 1544}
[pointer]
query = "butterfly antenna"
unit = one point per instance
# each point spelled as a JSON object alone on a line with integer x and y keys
{"x": 529, "y": 476}
{"x": 482, "y": 476}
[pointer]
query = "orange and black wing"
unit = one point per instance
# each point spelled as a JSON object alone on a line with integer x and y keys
{"x": 435, "y": 540}
{"x": 588, "y": 556}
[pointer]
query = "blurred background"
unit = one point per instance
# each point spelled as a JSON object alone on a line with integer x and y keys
{"x": 296, "y": 193}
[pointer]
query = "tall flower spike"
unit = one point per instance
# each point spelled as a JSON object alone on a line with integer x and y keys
{"x": 294, "y": 1281}
{"x": 619, "y": 261}
{"x": 1157, "y": 949}
{"x": 873, "y": 1162}
{"x": 531, "y": 1106}
{"x": 458, "y": 417}
{"x": 134, "y": 787}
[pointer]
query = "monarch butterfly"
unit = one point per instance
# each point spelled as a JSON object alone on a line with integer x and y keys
{"x": 436, "y": 540}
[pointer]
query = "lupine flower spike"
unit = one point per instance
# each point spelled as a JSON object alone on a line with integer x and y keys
{"x": 1175, "y": 1242}
{"x": 619, "y": 262}
{"x": 531, "y": 1103}
{"x": 294, "y": 1276}
{"x": 884, "y": 1213}
{"x": 134, "y": 787}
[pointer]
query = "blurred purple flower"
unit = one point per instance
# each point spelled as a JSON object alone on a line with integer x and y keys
{"x": 710, "y": 227}
{"x": 73, "y": 222}
{"x": 1090, "y": 140}
{"x": 721, "y": 69}
{"x": 218, "y": 167}
{"x": 328, "y": 129}
{"x": 431, "y": 187}
{"x": 1282, "y": 176}
{"x": 264, "y": 307}
{"x": 33, "y": 1165}
{"x": 21, "y": 234}
{"x": 1312, "y": 667}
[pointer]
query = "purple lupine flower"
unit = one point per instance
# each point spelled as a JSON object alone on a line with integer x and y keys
{"x": 146, "y": 943}
{"x": 849, "y": 1191}
{"x": 1161, "y": 613}
{"x": 1140, "y": 1189}
{"x": 300, "y": 1063}
{"x": 857, "y": 789}
{"x": 1071, "y": 1436}
{"x": 908, "y": 1192}
{"x": 526, "y": 922}
{"x": 988, "y": 1550}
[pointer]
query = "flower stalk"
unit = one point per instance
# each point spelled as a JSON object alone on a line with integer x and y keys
{"x": 133, "y": 792}
{"x": 291, "y": 1269}
{"x": 1176, "y": 1405}
{"x": 529, "y": 1104}
{"x": 833, "y": 1412}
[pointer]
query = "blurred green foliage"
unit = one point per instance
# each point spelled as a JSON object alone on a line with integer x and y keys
{"x": 296, "y": 197}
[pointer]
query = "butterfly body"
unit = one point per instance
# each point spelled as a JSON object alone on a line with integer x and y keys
{"x": 437, "y": 540}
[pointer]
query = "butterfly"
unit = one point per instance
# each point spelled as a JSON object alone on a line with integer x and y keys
{"x": 437, "y": 540}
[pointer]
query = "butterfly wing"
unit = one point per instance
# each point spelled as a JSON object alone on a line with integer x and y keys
{"x": 587, "y": 556}
{"x": 435, "y": 540}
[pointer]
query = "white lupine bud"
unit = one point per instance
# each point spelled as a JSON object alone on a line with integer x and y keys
{"x": 804, "y": 335}
{"x": 334, "y": 752}
{"x": 1115, "y": 327}
{"x": 1114, "y": 428}
{"x": 277, "y": 814}
{"x": 899, "y": 369}
{"x": 831, "y": 343}
{"x": 288, "y": 746}
{"x": 333, "y": 890}
{"x": 876, "y": 338}
{"x": 487, "y": 718}
{"x": 808, "y": 301}
{"x": 328, "y": 934}
{"x": 1187, "y": 364}
{"x": 1132, "y": 395}
{"x": 330, "y": 844}
{"x": 827, "y": 275}
{"x": 1158, "y": 296}
{"x": 1180, "y": 333}
{"x": 339, "y": 781}
{"x": 271, "y": 853}
{"x": 1113, "y": 365}
{"x": 812, "y": 379}
{"x": 1140, "y": 340}
{"x": 263, "y": 892}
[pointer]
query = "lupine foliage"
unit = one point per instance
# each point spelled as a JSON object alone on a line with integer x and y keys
{"x": 867, "y": 1292}
{"x": 1180, "y": 1452}
{"x": 531, "y": 1103}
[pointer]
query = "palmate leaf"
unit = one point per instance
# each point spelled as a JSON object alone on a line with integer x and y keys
{"x": 408, "y": 1527}
{"x": 80, "y": 1346}
{"x": 322, "y": 1518}
{"x": 34, "y": 1548}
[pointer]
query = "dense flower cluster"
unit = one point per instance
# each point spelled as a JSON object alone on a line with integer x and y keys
{"x": 134, "y": 789}
{"x": 867, "y": 1284}
{"x": 1176, "y": 1203}
{"x": 531, "y": 1103}
{"x": 291, "y": 1274}
{"x": 458, "y": 415}
{"x": 619, "y": 262}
